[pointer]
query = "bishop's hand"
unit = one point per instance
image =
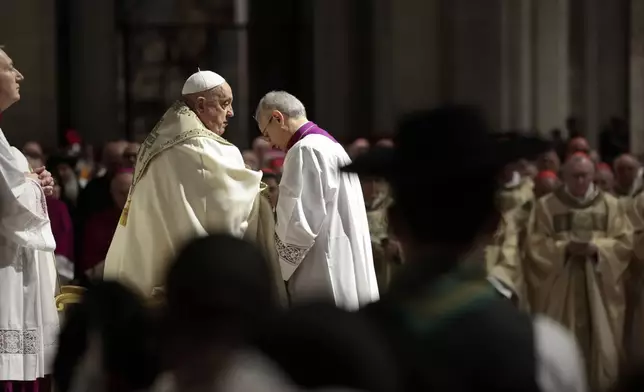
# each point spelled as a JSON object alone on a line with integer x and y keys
{"x": 46, "y": 180}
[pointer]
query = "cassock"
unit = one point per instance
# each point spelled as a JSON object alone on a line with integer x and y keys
{"x": 28, "y": 317}
{"x": 585, "y": 294}
{"x": 322, "y": 233}
{"x": 188, "y": 182}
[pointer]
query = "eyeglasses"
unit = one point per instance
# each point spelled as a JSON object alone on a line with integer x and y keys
{"x": 263, "y": 131}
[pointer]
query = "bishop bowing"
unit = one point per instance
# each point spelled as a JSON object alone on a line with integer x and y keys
{"x": 579, "y": 246}
{"x": 189, "y": 181}
{"x": 322, "y": 233}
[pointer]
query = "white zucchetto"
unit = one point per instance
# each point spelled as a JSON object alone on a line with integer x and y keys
{"x": 201, "y": 81}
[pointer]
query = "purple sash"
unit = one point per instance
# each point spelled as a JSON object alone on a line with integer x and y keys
{"x": 308, "y": 128}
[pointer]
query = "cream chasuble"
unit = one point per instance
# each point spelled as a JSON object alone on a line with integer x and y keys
{"x": 322, "y": 232}
{"x": 635, "y": 302}
{"x": 503, "y": 259}
{"x": 587, "y": 295}
{"x": 517, "y": 198}
{"x": 28, "y": 316}
{"x": 188, "y": 182}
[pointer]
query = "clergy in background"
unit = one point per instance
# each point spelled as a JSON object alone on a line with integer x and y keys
{"x": 515, "y": 197}
{"x": 628, "y": 176}
{"x": 635, "y": 302}
{"x": 604, "y": 178}
{"x": 28, "y": 316}
{"x": 189, "y": 181}
{"x": 503, "y": 261}
{"x": 545, "y": 183}
{"x": 322, "y": 233}
{"x": 579, "y": 246}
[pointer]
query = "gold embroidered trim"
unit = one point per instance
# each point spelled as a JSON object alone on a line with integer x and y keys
{"x": 150, "y": 149}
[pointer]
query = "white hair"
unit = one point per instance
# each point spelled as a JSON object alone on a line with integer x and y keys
{"x": 575, "y": 159}
{"x": 286, "y": 103}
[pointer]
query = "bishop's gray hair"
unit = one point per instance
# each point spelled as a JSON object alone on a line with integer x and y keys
{"x": 286, "y": 103}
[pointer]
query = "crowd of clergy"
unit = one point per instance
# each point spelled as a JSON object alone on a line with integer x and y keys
{"x": 184, "y": 264}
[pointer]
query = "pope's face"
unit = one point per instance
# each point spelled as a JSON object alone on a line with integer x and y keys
{"x": 215, "y": 111}
{"x": 10, "y": 80}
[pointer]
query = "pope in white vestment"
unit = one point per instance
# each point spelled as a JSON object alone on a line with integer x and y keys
{"x": 188, "y": 181}
{"x": 28, "y": 316}
{"x": 322, "y": 233}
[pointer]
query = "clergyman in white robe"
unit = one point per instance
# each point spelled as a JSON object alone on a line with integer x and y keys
{"x": 322, "y": 233}
{"x": 28, "y": 317}
{"x": 188, "y": 182}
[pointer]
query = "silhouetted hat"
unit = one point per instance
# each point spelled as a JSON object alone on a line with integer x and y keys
{"x": 446, "y": 144}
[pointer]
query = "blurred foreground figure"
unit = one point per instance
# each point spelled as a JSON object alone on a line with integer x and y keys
{"x": 219, "y": 296}
{"x": 322, "y": 232}
{"x": 443, "y": 318}
{"x": 321, "y": 346}
{"x": 107, "y": 343}
{"x": 28, "y": 316}
{"x": 579, "y": 246}
{"x": 189, "y": 181}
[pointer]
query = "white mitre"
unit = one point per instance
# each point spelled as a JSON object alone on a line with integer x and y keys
{"x": 201, "y": 81}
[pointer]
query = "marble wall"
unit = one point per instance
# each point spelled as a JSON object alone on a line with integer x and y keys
{"x": 529, "y": 63}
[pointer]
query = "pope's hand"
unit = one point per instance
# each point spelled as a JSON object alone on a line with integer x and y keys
{"x": 46, "y": 180}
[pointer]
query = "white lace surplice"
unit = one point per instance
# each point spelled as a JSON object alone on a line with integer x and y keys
{"x": 28, "y": 316}
{"x": 322, "y": 234}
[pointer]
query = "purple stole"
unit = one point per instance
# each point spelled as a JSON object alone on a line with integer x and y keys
{"x": 309, "y": 128}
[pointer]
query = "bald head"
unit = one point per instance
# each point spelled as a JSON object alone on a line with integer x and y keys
{"x": 32, "y": 149}
{"x": 358, "y": 147}
{"x": 627, "y": 169}
{"x": 578, "y": 174}
{"x": 627, "y": 160}
{"x": 385, "y": 143}
{"x": 260, "y": 147}
{"x": 251, "y": 159}
{"x": 130, "y": 153}
{"x": 604, "y": 178}
{"x": 120, "y": 187}
{"x": 113, "y": 154}
{"x": 544, "y": 185}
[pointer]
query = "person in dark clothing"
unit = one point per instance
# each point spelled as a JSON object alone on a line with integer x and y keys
{"x": 448, "y": 325}
{"x": 614, "y": 140}
{"x": 321, "y": 346}
{"x": 96, "y": 197}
